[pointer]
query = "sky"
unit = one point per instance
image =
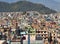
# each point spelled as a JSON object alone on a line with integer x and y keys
{"x": 9, "y": 1}
{"x": 57, "y": 0}
{"x": 29, "y": 0}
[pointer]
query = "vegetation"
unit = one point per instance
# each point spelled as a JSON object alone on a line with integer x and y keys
{"x": 30, "y": 29}
{"x": 24, "y": 6}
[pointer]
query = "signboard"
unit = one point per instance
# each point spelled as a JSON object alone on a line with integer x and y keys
{"x": 22, "y": 33}
{"x": 39, "y": 37}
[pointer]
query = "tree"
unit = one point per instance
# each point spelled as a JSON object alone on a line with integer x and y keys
{"x": 30, "y": 29}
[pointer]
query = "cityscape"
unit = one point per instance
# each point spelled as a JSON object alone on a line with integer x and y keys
{"x": 29, "y": 22}
{"x": 13, "y": 25}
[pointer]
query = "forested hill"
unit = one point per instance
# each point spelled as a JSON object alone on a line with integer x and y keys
{"x": 24, "y": 6}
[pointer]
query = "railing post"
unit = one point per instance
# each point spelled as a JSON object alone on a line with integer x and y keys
{"x": 28, "y": 38}
{"x": 21, "y": 40}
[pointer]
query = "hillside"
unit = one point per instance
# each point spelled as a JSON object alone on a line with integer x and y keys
{"x": 24, "y": 6}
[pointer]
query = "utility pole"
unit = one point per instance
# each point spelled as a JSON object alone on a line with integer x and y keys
{"x": 21, "y": 39}
{"x": 29, "y": 36}
{"x": 50, "y": 38}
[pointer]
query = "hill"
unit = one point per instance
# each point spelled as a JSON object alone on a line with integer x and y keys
{"x": 24, "y": 6}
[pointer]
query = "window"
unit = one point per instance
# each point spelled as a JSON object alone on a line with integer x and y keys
{"x": 54, "y": 37}
{"x": 5, "y": 30}
{"x": 44, "y": 38}
{"x": 42, "y": 35}
{"x": 41, "y": 31}
{"x": 54, "y": 34}
{"x": 45, "y": 35}
{"x": 28, "y": 14}
{"x": 43, "y": 24}
{"x": 44, "y": 31}
{"x": 37, "y": 31}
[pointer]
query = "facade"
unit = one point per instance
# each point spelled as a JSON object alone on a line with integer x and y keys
{"x": 43, "y": 24}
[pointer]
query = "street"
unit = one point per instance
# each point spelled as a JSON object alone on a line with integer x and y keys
{"x": 26, "y": 42}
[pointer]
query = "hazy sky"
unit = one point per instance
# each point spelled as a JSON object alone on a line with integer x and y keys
{"x": 57, "y": 0}
{"x": 9, "y": 0}
{"x": 30, "y": 0}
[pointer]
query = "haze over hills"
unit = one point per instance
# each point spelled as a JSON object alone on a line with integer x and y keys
{"x": 24, "y": 6}
{"x": 53, "y": 4}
